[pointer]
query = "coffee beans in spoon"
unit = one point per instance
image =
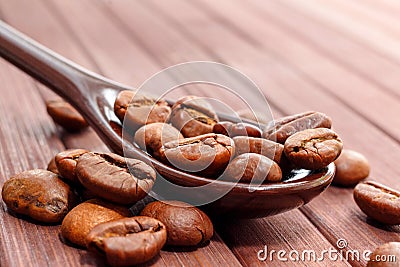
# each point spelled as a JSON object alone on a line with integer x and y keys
{"x": 127, "y": 241}
{"x": 193, "y": 116}
{"x": 114, "y": 178}
{"x": 268, "y": 148}
{"x": 151, "y": 137}
{"x": 279, "y": 130}
{"x": 232, "y": 129}
{"x": 140, "y": 109}
{"x": 313, "y": 148}
{"x": 252, "y": 168}
{"x": 206, "y": 154}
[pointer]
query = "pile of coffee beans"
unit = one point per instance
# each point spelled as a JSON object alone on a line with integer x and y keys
{"x": 190, "y": 136}
{"x": 90, "y": 193}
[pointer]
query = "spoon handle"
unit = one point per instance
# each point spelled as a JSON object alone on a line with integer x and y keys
{"x": 67, "y": 79}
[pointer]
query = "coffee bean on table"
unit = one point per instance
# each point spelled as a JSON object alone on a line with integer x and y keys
{"x": 206, "y": 154}
{"x": 139, "y": 109}
{"x": 313, "y": 148}
{"x": 279, "y": 130}
{"x": 379, "y": 202}
{"x": 268, "y": 148}
{"x": 186, "y": 224}
{"x": 152, "y": 136}
{"x": 52, "y": 166}
{"x": 114, "y": 178}
{"x": 386, "y": 255}
{"x": 128, "y": 241}
{"x": 252, "y": 168}
{"x": 81, "y": 219}
{"x": 351, "y": 168}
{"x": 65, "y": 115}
{"x": 193, "y": 116}
{"x": 66, "y": 163}
{"x": 232, "y": 129}
{"x": 38, "y": 194}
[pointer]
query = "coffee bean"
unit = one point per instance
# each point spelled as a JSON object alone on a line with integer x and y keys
{"x": 206, "y": 154}
{"x": 268, "y": 148}
{"x": 313, "y": 148}
{"x": 140, "y": 110}
{"x": 38, "y": 194}
{"x": 193, "y": 116}
{"x": 81, "y": 219}
{"x": 65, "y": 115}
{"x": 52, "y": 166}
{"x": 280, "y": 129}
{"x": 151, "y": 137}
{"x": 128, "y": 241}
{"x": 386, "y": 255}
{"x": 186, "y": 224}
{"x": 114, "y": 178}
{"x": 252, "y": 168}
{"x": 66, "y": 163}
{"x": 351, "y": 168}
{"x": 378, "y": 202}
{"x": 236, "y": 129}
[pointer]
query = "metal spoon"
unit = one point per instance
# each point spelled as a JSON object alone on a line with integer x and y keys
{"x": 93, "y": 96}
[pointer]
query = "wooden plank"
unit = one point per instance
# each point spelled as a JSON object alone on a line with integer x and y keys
{"x": 299, "y": 95}
{"x": 352, "y": 90}
{"x": 374, "y": 38}
{"x": 359, "y": 58}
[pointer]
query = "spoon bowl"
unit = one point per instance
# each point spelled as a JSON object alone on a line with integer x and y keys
{"x": 93, "y": 96}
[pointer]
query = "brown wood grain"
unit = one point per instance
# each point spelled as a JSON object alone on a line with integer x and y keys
{"x": 304, "y": 56}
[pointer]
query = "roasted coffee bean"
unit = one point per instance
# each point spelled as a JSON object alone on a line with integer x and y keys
{"x": 280, "y": 129}
{"x": 128, "y": 241}
{"x": 378, "y": 202}
{"x": 39, "y": 194}
{"x": 114, "y": 178}
{"x": 193, "y": 116}
{"x": 140, "y": 110}
{"x": 151, "y": 137}
{"x": 186, "y": 224}
{"x": 351, "y": 168}
{"x": 236, "y": 129}
{"x": 81, "y": 219}
{"x": 268, "y": 148}
{"x": 252, "y": 168}
{"x": 313, "y": 148}
{"x": 66, "y": 163}
{"x": 52, "y": 166}
{"x": 65, "y": 115}
{"x": 386, "y": 255}
{"x": 206, "y": 154}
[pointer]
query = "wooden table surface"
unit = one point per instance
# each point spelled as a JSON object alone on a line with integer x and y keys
{"x": 339, "y": 57}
